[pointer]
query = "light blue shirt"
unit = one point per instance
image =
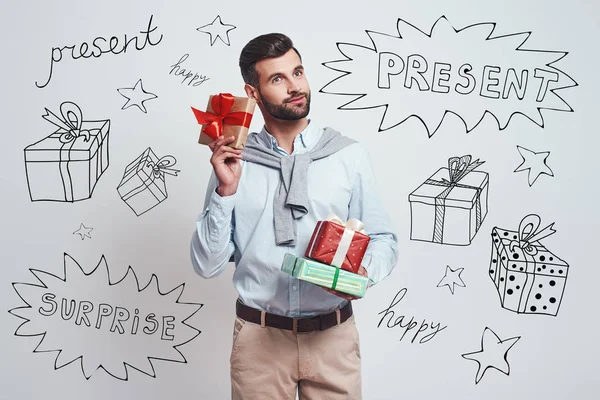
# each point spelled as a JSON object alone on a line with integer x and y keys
{"x": 242, "y": 225}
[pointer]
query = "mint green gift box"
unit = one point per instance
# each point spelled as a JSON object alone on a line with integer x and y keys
{"x": 325, "y": 275}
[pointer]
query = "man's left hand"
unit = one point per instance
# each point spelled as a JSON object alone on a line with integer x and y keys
{"x": 361, "y": 271}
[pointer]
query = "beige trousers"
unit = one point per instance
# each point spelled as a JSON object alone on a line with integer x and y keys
{"x": 270, "y": 363}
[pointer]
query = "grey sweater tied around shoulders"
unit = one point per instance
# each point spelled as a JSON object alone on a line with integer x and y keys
{"x": 291, "y": 196}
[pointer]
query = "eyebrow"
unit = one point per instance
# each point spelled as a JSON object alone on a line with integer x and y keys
{"x": 273, "y": 75}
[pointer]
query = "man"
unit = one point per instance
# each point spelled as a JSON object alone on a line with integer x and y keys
{"x": 264, "y": 202}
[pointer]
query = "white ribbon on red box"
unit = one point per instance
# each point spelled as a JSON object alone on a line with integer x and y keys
{"x": 350, "y": 227}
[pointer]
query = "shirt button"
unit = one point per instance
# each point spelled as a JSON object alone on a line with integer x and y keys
{"x": 294, "y": 287}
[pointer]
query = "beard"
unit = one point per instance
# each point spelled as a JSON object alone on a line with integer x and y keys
{"x": 287, "y": 111}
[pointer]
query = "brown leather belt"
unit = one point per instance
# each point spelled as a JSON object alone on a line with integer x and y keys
{"x": 309, "y": 324}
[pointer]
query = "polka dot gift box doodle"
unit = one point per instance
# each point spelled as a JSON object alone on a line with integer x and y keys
{"x": 529, "y": 278}
{"x": 342, "y": 245}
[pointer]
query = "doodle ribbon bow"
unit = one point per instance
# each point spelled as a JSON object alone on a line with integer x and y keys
{"x": 458, "y": 168}
{"x": 71, "y": 122}
{"x": 529, "y": 233}
{"x": 162, "y": 167}
{"x": 213, "y": 122}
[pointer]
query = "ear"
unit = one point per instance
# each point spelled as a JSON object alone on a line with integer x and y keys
{"x": 251, "y": 92}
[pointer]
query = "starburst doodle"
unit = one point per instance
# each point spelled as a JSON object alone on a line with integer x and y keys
{"x": 91, "y": 320}
{"x": 466, "y": 72}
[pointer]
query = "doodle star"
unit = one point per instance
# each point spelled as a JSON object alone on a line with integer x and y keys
{"x": 534, "y": 163}
{"x": 493, "y": 353}
{"x": 217, "y": 30}
{"x": 136, "y": 96}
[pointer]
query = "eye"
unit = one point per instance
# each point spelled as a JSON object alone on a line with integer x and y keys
{"x": 298, "y": 73}
{"x": 276, "y": 79}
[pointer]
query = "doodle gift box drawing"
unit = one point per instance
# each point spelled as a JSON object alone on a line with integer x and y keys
{"x": 529, "y": 278}
{"x": 450, "y": 206}
{"x": 143, "y": 186}
{"x": 66, "y": 165}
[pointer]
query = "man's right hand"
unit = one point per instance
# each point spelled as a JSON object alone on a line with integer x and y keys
{"x": 226, "y": 164}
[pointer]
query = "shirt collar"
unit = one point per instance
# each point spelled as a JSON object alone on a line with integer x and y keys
{"x": 302, "y": 143}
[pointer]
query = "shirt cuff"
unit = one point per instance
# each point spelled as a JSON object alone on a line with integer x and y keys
{"x": 222, "y": 207}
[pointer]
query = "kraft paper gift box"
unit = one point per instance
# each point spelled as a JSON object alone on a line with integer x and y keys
{"x": 143, "y": 186}
{"x": 325, "y": 275}
{"x": 450, "y": 206}
{"x": 529, "y": 278}
{"x": 225, "y": 115}
{"x": 66, "y": 165}
{"x": 339, "y": 244}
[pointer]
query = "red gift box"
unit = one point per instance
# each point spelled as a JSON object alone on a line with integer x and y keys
{"x": 338, "y": 244}
{"x": 225, "y": 115}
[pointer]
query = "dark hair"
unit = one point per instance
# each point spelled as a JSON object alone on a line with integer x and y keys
{"x": 269, "y": 45}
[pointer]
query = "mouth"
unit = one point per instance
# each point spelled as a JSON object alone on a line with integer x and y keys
{"x": 297, "y": 100}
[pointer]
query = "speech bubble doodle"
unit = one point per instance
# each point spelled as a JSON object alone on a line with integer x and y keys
{"x": 114, "y": 326}
{"x": 466, "y": 72}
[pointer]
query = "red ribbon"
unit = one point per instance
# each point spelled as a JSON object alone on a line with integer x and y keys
{"x": 213, "y": 122}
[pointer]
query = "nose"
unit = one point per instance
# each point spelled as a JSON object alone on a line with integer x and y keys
{"x": 293, "y": 86}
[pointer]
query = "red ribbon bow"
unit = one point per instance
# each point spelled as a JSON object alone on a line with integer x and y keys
{"x": 213, "y": 122}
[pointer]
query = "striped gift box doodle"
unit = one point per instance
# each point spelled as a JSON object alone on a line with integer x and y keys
{"x": 66, "y": 165}
{"x": 450, "y": 206}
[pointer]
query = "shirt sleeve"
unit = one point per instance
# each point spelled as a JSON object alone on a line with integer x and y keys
{"x": 212, "y": 244}
{"x": 367, "y": 205}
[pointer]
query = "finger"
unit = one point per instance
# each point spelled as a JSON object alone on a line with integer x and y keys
{"x": 224, "y": 147}
{"x": 224, "y": 153}
{"x": 229, "y": 148}
{"x": 362, "y": 271}
{"x": 219, "y": 141}
{"x": 225, "y": 140}
{"x": 224, "y": 144}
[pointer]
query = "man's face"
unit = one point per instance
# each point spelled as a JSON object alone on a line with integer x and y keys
{"x": 283, "y": 89}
